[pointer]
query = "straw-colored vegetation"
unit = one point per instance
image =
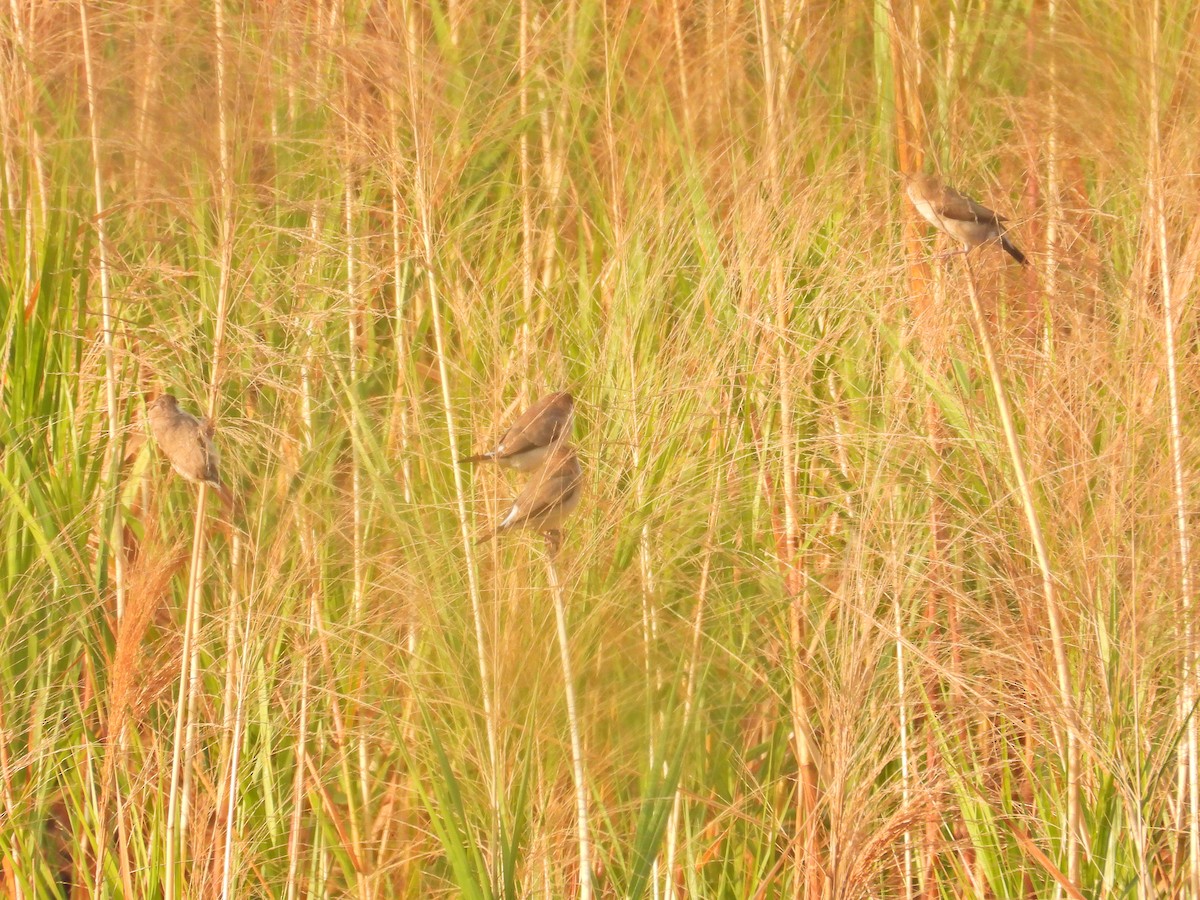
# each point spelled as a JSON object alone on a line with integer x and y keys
{"x": 880, "y": 587}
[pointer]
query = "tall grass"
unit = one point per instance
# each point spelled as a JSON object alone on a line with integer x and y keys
{"x": 882, "y": 583}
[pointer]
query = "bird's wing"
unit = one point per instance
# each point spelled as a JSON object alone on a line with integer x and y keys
{"x": 548, "y": 493}
{"x": 538, "y": 426}
{"x": 211, "y": 457}
{"x": 517, "y": 441}
{"x": 956, "y": 207}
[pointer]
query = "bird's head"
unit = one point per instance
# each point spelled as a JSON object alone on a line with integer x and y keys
{"x": 164, "y": 402}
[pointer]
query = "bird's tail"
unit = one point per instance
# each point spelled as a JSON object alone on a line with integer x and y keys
{"x": 500, "y": 528}
{"x": 226, "y": 495}
{"x": 479, "y": 457}
{"x": 1012, "y": 250}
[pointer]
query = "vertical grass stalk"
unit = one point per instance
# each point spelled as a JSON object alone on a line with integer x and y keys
{"x": 1054, "y": 210}
{"x": 425, "y": 225}
{"x": 112, "y": 452}
{"x": 693, "y": 663}
{"x": 231, "y": 804}
{"x": 577, "y": 769}
{"x": 1190, "y": 756}
{"x": 808, "y": 867}
{"x": 189, "y": 686}
{"x": 653, "y": 674}
{"x": 308, "y": 544}
{"x": 175, "y": 830}
{"x": 1062, "y": 663}
{"x": 112, "y": 456}
{"x": 358, "y": 587}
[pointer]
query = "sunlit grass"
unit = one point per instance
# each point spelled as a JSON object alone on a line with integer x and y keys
{"x": 708, "y": 286}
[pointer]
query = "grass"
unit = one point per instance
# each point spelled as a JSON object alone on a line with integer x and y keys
{"x": 804, "y": 614}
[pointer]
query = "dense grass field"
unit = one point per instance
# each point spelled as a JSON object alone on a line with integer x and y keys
{"x": 881, "y": 584}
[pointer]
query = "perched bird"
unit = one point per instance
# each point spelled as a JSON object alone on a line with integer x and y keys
{"x": 187, "y": 444}
{"x": 531, "y": 438}
{"x": 549, "y": 496}
{"x": 962, "y": 218}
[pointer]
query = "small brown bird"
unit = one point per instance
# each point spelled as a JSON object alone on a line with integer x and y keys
{"x": 530, "y": 439}
{"x": 547, "y": 498}
{"x": 962, "y": 218}
{"x": 187, "y": 444}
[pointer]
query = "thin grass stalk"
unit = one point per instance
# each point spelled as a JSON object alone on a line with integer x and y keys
{"x": 148, "y": 66}
{"x": 937, "y": 597}
{"x": 541, "y": 839}
{"x": 110, "y": 780}
{"x": 902, "y": 726}
{"x": 577, "y": 768}
{"x": 112, "y": 455}
{"x": 1182, "y": 536}
{"x": 25, "y": 40}
{"x": 950, "y": 59}
{"x": 175, "y": 830}
{"x": 308, "y": 545}
{"x": 399, "y": 308}
{"x": 1053, "y": 614}
{"x": 15, "y": 853}
{"x": 653, "y": 675}
{"x": 399, "y": 438}
{"x": 808, "y": 867}
{"x": 8, "y": 181}
{"x": 902, "y": 699}
{"x": 226, "y": 210}
{"x": 911, "y": 140}
{"x": 528, "y": 236}
{"x": 10, "y": 144}
{"x": 79, "y": 871}
{"x": 942, "y": 595}
{"x": 126, "y": 867}
{"x": 693, "y": 664}
{"x": 685, "y": 99}
{"x": 425, "y": 224}
{"x": 231, "y": 725}
{"x": 234, "y": 759}
{"x": 356, "y": 488}
{"x": 182, "y": 755}
{"x": 1053, "y": 178}
{"x": 352, "y": 334}
{"x": 8, "y": 189}
{"x": 8, "y": 195}
{"x": 554, "y": 155}
{"x": 227, "y": 787}
{"x": 613, "y": 155}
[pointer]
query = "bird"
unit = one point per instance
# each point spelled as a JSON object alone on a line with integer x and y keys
{"x": 547, "y": 498}
{"x": 186, "y": 442}
{"x": 531, "y": 438}
{"x": 968, "y": 222}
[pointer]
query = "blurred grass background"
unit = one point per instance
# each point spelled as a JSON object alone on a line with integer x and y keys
{"x": 807, "y": 623}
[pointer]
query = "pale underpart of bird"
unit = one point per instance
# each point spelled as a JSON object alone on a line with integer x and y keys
{"x": 968, "y": 222}
{"x": 547, "y": 499}
{"x": 186, "y": 442}
{"x": 531, "y": 438}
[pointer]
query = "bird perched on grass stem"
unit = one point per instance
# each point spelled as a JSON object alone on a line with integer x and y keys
{"x": 547, "y": 499}
{"x": 968, "y": 222}
{"x": 186, "y": 442}
{"x": 531, "y": 438}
